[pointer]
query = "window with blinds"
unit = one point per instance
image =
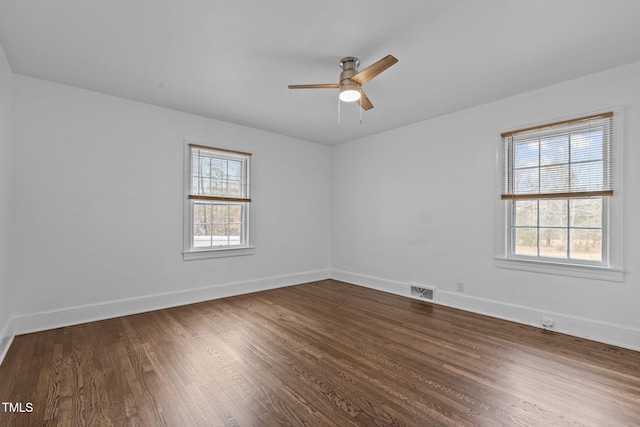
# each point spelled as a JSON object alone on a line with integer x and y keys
{"x": 557, "y": 179}
{"x": 566, "y": 159}
{"x": 219, "y": 197}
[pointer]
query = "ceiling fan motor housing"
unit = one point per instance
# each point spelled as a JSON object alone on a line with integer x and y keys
{"x": 349, "y": 67}
{"x": 349, "y": 90}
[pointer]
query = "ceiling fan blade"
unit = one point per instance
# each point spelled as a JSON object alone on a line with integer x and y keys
{"x": 373, "y": 70}
{"x": 322, "y": 86}
{"x": 364, "y": 102}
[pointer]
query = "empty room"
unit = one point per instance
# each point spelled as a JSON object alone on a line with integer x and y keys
{"x": 412, "y": 213}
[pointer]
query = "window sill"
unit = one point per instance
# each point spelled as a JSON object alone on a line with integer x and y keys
{"x": 573, "y": 270}
{"x": 217, "y": 253}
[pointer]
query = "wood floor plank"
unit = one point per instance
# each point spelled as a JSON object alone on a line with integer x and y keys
{"x": 318, "y": 354}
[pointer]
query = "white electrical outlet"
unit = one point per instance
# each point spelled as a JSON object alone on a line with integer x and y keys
{"x": 460, "y": 286}
{"x": 547, "y": 322}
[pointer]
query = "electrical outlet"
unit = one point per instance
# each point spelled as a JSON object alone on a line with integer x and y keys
{"x": 547, "y": 322}
{"x": 460, "y": 286}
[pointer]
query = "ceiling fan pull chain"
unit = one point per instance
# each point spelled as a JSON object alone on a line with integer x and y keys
{"x": 338, "y": 113}
{"x": 360, "y": 102}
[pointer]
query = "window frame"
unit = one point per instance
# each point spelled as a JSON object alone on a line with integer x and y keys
{"x": 511, "y": 206}
{"x": 191, "y": 252}
{"x": 611, "y": 267}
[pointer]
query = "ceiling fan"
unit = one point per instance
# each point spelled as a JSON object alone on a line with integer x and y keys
{"x": 352, "y": 80}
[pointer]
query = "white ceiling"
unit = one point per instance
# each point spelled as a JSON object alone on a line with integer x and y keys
{"x": 232, "y": 60}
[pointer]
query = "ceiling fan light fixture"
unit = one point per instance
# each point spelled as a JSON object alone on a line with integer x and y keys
{"x": 349, "y": 92}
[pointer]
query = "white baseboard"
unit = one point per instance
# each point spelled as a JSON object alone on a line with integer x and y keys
{"x": 92, "y": 312}
{"x": 385, "y": 285}
{"x": 607, "y": 333}
{"x": 6, "y": 338}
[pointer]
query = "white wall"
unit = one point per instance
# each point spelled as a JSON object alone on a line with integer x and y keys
{"x": 99, "y": 191}
{"x": 6, "y": 285}
{"x": 418, "y": 204}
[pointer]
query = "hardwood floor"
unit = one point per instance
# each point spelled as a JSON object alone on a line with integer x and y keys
{"x": 320, "y": 354}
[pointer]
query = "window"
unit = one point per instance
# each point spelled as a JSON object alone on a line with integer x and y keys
{"x": 557, "y": 183}
{"x": 217, "y": 202}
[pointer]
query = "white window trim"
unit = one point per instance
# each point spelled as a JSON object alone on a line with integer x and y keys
{"x": 614, "y": 271}
{"x": 189, "y": 253}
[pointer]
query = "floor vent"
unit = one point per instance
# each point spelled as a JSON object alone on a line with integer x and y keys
{"x": 424, "y": 292}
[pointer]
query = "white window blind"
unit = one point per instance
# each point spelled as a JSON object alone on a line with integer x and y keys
{"x": 219, "y": 174}
{"x": 572, "y": 158}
